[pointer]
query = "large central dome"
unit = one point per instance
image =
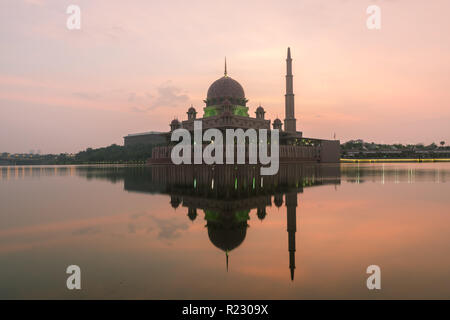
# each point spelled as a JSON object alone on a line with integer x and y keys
{"x": 225, "y": 87}
{"x": 225, "y": 95}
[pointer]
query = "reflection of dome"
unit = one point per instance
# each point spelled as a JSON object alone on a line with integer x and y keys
{"x": 227, "y": 230}
{"x": 278, "y": 200}
{"x": 175, "y": 201}
{"x": 261, "y": 213}
{"x": 227, "y": 238}
{"x": 192, "y": 213}
{"x": 226, "y": 87}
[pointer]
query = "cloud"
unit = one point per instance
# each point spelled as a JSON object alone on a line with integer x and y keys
{"x": 35, "y": 2}
{"x": 167, "y": 96}
{"x": 115, "y": 31}
{"x": 87, "y": 231}
{"x": 87, "y": 95}
{"x": 137, "y": 215}
{"x": 168, "y": 228}
{"x": 132, "y": 97}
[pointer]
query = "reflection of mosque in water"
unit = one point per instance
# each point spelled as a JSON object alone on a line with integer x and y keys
{"x": 224, "y": 194}
{"x": 227, "y": 194}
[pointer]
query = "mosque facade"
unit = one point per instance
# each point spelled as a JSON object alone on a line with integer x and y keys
{"x": 226, "y": 108}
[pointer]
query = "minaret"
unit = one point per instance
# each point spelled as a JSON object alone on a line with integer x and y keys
{"x": 291, "y": 205}
{"x": 225, "y": 73}
{"x": 290, "y": 121}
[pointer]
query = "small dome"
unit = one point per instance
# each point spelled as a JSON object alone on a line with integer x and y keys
{"x": 226, "y": 87}
{"x": 277, "y": 121}
{"x": 191, "y": 110}
{"x": 260, "y": 109}
{"x": 175, "y": 122}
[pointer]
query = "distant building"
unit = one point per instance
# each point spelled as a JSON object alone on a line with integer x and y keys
{"x": 145, "y": 138}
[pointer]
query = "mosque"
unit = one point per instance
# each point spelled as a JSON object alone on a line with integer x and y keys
{"x": 226, "y": 108}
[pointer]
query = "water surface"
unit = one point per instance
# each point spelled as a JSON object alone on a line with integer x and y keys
{"x": 225, "y": 233}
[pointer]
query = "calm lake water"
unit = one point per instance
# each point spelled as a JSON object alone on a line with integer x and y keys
{"x": 225, "y": 232}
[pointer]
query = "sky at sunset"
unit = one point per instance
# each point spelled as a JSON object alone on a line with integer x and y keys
{"x": 135, "y": 65}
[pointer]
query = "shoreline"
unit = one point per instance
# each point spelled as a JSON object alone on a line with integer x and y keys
{"x": 342, "y": 160}
{"x": 345, "y": 160}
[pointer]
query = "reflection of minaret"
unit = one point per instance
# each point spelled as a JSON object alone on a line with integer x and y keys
{"x": 291, "y": 205}
{"x": 226, "y": 254}
{"x": 290, "y": 121}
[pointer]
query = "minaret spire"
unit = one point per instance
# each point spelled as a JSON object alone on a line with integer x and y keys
{"x": 289, "y": 121}
{"x": 226, "y": 253}
{"x": 225, "y": 72}
{"x": 291, "y": 205}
